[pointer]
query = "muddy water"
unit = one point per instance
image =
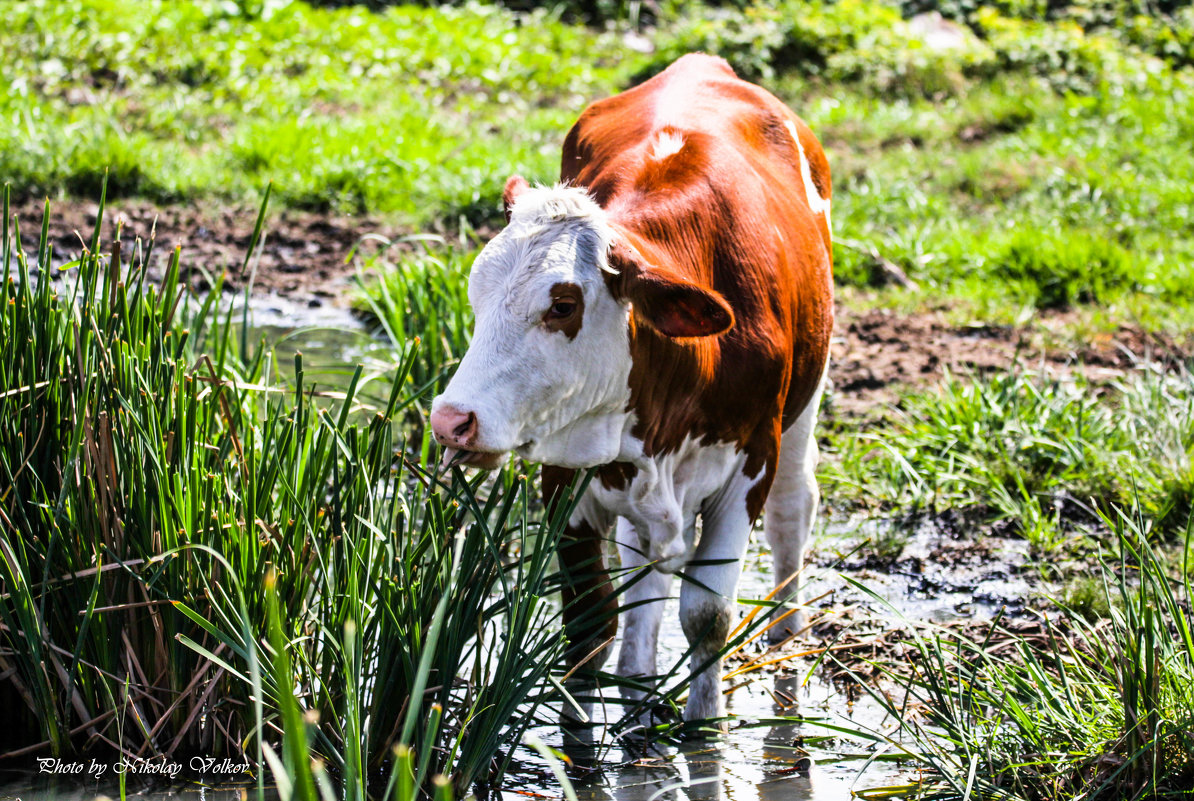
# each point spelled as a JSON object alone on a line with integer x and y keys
{"x": 330, "y": 338}
{"x": 939, "y": 575}
{"x": 762, "y": 756}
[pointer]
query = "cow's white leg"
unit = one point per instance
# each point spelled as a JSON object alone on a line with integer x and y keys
{"x": 707, "y": 604}
{"x": 790, "y": 513}
{"x": 645, "y": 597}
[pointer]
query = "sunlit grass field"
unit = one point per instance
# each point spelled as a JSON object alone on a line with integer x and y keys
{"x": 204, "y": 553}
{"x": 410, "y": 111}
{"x": 1032, "y": 166}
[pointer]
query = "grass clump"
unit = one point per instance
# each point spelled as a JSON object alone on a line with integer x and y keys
{"x": 1100, "y": 709}
{"x": 1057, "y": 272}
{"x": 420, "y": 297}
{"x": 163, "y": 505}
{"x": 1087, "y": 598}
{"x": 1038, "y": 450}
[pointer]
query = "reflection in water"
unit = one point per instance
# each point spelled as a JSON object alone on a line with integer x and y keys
{"x": 705, "y": 774}
{"x": 776, "y": 748}
{"x": 37, "y": 787}
{"x": 774, "y": 753}
{"x": 789, "y": 769}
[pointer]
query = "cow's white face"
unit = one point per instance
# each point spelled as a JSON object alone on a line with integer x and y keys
{"x": 547, "y": 373}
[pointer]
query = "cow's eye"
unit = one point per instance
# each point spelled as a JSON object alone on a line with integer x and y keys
{"x": 561, "y": 308}
{"x": 566, "y": 310}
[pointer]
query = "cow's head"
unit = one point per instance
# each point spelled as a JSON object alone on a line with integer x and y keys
{"x": 553, "y": 294}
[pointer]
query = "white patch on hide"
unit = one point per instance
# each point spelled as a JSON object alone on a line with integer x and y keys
{"x": 818, "y": 204}
{"x": 668, "y": 143}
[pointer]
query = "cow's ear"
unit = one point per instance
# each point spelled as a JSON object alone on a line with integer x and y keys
{"x": 515, "y": 186}
{"x": 671, "y": 304}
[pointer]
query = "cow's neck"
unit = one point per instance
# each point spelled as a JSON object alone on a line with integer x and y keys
{"x": 668, "y": 378}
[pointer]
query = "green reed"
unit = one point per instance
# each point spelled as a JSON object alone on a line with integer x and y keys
{"x": 158, "y": 495}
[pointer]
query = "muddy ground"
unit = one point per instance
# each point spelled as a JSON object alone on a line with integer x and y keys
{"x": 877, "y": 352}
{"x": 306, "y": 259}
{"x": 303, "y": 255}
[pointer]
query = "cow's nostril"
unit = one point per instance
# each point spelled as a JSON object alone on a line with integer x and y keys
{"x": 466, "y": 429}
{"x": 454, "y": 427}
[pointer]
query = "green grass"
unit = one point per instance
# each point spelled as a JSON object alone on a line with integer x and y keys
{"x": 161, "y": 497}
{"x": 421, "y": 297}
{"x": 1014, "y": 198}
{"x": 1044, "y": 452}
{"x": 418, "y": 112}
{"x": 1027, "y": 170}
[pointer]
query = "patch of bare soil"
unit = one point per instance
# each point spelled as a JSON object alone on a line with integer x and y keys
{"x": 303, "y": 255}
{"x": 877, "y": 352}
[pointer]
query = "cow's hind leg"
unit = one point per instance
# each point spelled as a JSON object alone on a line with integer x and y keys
{"x": 789, "y": 515}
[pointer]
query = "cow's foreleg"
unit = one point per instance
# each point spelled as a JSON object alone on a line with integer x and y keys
{"x": 790, "y": 514}
{"x": 590, "y": 608}
{"x": 644, "y": 597}
{"x": 707, "y": 601}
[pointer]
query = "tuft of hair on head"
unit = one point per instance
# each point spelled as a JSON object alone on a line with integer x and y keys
{"x": 559, "y": 203}
{"x": 542, "y": 209}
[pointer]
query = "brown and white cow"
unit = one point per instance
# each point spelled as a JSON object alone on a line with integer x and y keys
{"x": 664, "y": 314}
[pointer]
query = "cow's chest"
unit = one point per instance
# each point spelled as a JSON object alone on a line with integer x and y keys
{"x": 667, "y": 494}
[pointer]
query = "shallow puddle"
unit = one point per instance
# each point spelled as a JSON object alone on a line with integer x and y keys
{"x": 938, "y": 576}
{"x": 331, "y": 339}
{"x": 758, "y": 758}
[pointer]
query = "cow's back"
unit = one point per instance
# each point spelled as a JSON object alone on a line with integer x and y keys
{"x": 728, "y": 208}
